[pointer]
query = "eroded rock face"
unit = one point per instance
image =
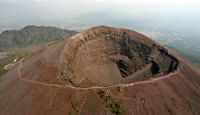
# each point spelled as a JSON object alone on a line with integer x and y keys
{"x": 107, "y": 56}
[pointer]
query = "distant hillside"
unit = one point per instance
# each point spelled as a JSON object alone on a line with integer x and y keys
{"x": 32, "y": 35}
{"x": 194, "y": 59}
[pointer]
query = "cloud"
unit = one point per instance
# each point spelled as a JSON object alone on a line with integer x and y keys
{"x": 149, "y": 1}
{"x": 14, "y": 1}
{"x": 40, "y": 0}
{"x": 8, "y": 1}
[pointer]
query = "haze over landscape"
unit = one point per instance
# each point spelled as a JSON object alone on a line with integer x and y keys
{"x": 102, "y": 57}
{"x": 172, "y": 22}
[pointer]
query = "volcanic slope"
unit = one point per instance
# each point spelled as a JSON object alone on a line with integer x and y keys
{"x": 102, "y": 71}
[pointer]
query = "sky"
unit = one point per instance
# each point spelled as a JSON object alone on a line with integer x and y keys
{"x": 69, "y": 13}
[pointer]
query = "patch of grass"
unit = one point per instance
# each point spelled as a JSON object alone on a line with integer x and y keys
{"x": 74, "y": 107}
{"x": 7, "y": 60}
{"x": 114, "y": 106}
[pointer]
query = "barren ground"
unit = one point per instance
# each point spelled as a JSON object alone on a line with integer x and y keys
{"x": 33, "y": 86}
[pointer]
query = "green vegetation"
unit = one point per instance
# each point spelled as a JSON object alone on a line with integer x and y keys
{"x": 194, "y": 59}
{"x": 74, "y": 107}
{"x": 7, "y": 60}
{"x": 32, "y": 35}
{"x": 114, "y": 106}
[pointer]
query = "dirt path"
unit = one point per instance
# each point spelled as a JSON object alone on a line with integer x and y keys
{"x": 88, "y": 88}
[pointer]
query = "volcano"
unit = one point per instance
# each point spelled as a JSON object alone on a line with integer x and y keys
{"x": 102, "y": 71}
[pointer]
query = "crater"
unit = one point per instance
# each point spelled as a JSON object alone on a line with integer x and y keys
{"x": 106, "y": 56}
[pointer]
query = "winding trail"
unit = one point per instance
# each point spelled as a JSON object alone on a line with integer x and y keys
{"x": 88, "y": 88}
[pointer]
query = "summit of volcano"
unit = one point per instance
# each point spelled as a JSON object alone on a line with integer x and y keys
{"x": 104, "y": 71}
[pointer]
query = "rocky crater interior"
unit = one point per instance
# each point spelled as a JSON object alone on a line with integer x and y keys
{"x": 104, "y": 56}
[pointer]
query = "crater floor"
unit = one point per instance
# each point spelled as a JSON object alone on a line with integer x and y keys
{"x": 104, "y": 56}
